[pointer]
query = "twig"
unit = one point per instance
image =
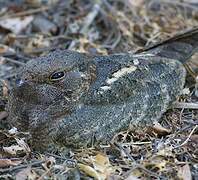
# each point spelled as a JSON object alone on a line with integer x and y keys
{"x": 112, "y": 46}
{"x": 12, "y": 61}
{"x": 186, "y": 141}
{"x": 59, "y": 157}
{"x": 88, "y": 21}
{"x": 182, "y": 105}
{"x": 150, "y": 173}
{"x": 122, "y": 149}
{"x": 25, "y": 13}
{"x": 135, "y": 163}
{"x": 137, "y": 143}
{"x": 190, "y": 71}
{"x": 180, "y": 4}
{"x": 90, "y": 18}
{"x": 9, "y": 76}
{"x": 40, "y": 50}
{"x": 44, "y": 174}
{"x": 20, "y": 167}
{"x": 191, "y": 122}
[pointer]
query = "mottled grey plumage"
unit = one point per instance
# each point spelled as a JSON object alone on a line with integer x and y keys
{"x": 98, "y": 96}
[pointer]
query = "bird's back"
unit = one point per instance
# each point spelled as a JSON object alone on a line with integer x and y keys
{"x": 129, "y": 89}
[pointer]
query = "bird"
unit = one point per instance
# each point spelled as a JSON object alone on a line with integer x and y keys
{"x": 71, "y": 98}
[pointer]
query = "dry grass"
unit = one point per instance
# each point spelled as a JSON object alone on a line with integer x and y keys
{"x": 165, "y": 151}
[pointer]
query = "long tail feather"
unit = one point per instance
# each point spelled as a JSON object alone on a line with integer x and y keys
{"x": 180, "y": 47}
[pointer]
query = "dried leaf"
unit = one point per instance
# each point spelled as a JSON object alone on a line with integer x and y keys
{"x": 186, "y": 91}
{"x": 36, "y": 42}
{"x": 16, "y": 25}
{"x": 49, "y": 162}
{"x": 13, "y": 149}
{"x": 165, "y": 151}
{"x": 9, "y": 162}
{"x": 5, "y": 49}
{"x": 160, "y": 130}
{"x": 23, "y": 174}
{"x": 184, "y": 172}
{"x": 13, "y": 131}
{"x": 26, "y": 173}
{"x": 136, "y": 3}
{"x": 101, "y": 162}
{"x": 3, "y": 115}
{"x": 89, "y": 171}
{"x": 23, "y": 144}
{"x": 102, "y": 165}
{"x": 132, "y": 177}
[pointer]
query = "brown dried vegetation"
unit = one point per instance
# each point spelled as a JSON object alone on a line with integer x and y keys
{"x": 168, "y": 150}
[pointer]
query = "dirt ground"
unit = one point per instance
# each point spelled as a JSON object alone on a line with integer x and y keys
{"x": 31, "y": 28}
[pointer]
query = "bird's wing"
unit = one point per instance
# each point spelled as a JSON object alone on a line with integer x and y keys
{"x": 128, "y": 90}
{"x": 120, "y": 77}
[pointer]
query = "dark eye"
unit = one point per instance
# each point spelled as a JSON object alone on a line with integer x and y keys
{"x": 57, "y": 76}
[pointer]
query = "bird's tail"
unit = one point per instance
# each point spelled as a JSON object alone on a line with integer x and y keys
{"x": 180, "y": 47}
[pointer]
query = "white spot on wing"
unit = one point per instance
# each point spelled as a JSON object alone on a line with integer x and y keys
{"x": 80, "y": 106}
{"x": 105, "y": 88}
{"x": 82, "y": 75}
{"x": 111, "y": 80}
{"x": 136, "y": 62}
{"x": 120, "y": 73}
{"x": 143, "y": 55}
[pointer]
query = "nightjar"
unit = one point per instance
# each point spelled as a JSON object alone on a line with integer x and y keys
{"x": 71, "y": 98}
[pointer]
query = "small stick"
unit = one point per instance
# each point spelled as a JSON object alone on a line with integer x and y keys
{"x": 12, "y": 61}
{"x": 20, "y": 167}
{"x": 182, "y": 105}
{"x": 186, "y": 141}
{"x": 88, "y": 21}
{"x": 137, "y": 143}
{"x": 25, "y": 13}
{"x": 44, "y": 174}
{"x": 90, "y": 18}
{"x": 120, "y": 148}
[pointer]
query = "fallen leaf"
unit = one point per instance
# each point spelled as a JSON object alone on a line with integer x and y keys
{"x": 184, "y": 172}
{"x": 23, "y": 144}
{"x": 160, "y": 130}
{"x": 23, "y": 174}
{"x": 13, "y": 131}
{"x": 165, "y": 151}
{"x": 138, "y": 3}
{"x": 5, "y": 49}
{"x": 5, "y": 88}
{"x": 37, "y": 42}
{"x": 132, "y": 177}
{"x": 26, "y": 173}
{"x": 16, "y": 25}
{"x": 89, "y": 171}
{"x": 186, "y": 91}
{"x": 9, "y": 162}
{"x": 101, "y": 162}
{"x": 102, "y": 165}
{"x": 3, "y": 115}
{"x": 49, "y": 162}
{"x": 13, "y": 149}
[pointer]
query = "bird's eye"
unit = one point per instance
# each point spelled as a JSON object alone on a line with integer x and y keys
{"x": 57, "y": 76}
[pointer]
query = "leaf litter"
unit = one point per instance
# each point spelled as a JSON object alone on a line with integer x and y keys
{"x": 168, "y": 150}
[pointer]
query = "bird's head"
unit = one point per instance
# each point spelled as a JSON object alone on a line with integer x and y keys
{"x": 60, "y": 74}
{"x": 48, "y": 88}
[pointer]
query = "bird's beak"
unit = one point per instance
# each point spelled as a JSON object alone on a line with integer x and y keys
{"x": 22, "y": 88}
